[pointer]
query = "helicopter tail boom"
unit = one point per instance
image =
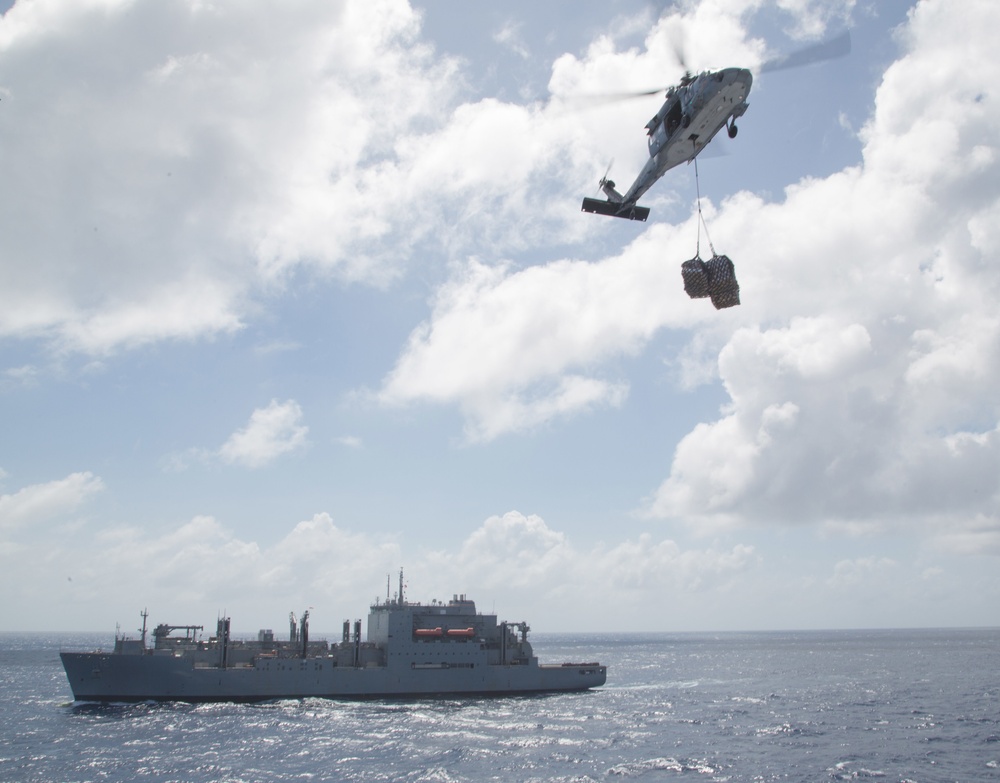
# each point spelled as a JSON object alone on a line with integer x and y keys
{"x": 615, "y": 209}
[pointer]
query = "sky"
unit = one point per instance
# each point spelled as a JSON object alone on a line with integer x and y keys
{"x": 292, "y": 299}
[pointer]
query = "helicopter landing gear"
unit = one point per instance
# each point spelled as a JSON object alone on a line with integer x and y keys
{"x": 732, "y": 130}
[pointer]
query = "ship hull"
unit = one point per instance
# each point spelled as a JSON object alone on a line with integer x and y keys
{"x": 107, "y": 677}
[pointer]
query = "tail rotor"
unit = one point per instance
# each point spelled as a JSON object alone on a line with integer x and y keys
{"x": 604, "y": 179}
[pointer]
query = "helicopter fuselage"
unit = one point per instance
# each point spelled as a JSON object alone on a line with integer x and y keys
{"x": 689, "y": 120}
{"x": 693, "y": 112}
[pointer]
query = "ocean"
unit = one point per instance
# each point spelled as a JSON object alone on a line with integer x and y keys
{"x": 899, "y": 705}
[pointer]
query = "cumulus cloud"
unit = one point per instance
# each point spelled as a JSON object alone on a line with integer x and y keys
{"x": 515, "y": 349}
{"x": 517, "y": 563}
{"x": 351, "y": 441}
{"x": 42, "y": 503}
{"x": 150, "y": 192}
{"x": 977, "y": 535}
{"x": 198, "y": 567}
{"x": 887, "y": 409}
{"x": 862, "y": 571}
{"x": 701, "y": 30}
{"x": 25, "y": 375}
{"x": 271, "y": 432}
{"x": 811, "y": 18}
{"x": 189, "y": 170}
{"x": 509, "y": 35}
{"x": 861, "y": 368}
{"x": 518, "y": 348}
{"x": 527, "y": 559}
{"x": 202, "y": 564}
{"x": 157, "y": 193}
{"x": 206, "y": 561}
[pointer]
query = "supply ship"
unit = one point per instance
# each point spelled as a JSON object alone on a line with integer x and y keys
{"x": 410, "y": 650}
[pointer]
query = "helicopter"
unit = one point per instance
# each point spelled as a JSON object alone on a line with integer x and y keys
{"x": 694, "y": 111}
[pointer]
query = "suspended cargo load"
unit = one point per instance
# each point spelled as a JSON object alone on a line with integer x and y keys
{"x": 722, "y": 285}
{"x": 695, "y": 278}
{"x": 715, "y": 278}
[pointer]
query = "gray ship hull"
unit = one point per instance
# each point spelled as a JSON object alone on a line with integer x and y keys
{"x": 105, "y": 677}
{"x": 411, "y": 650}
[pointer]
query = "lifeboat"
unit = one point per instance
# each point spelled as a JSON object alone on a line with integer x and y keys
{"x": 463, "y": 633}
{"x": 425, "y": 633}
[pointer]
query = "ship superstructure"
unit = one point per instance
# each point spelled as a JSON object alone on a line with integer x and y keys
{"x": 411, "y": 649}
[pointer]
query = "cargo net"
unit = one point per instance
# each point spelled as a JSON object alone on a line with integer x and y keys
{"x": 715, "y": 278}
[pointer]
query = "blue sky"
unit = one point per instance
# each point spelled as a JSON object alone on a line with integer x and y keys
{"x": 291, "y": 300}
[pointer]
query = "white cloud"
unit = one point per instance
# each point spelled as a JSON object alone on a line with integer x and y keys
{"x": 894, "y": 387}
{"x": 977, "y": 535}
{"x": 532, "y": 570}
{"x": 232, "y": 147}
{"x": 271, "y": 432}
{"x": 151, "y": 192}
{"x": 161, "y": 188}
{"x": 43, "y": 503}
{"x": 184, "y": 309}
{"x": 351, "y": 441}
{"x": 507, "y": 346}
{"x": 862, "y": 572}
{"x": 509, "y": 35}
{"x": 530, "y": 561}
{"x": 862, "y": 366}
{"x": 516, "y": 349}
{"x": 201, "y": 565}
{"x": 513, "y": 549}
{"x": 814, "y": 17}
{"x": 276, "y": 346}
{"x": 25, "y": 375}
{"x": 515, "y": 563}
{"x": 195, "y": 559}
{"x": 700, "y": 31}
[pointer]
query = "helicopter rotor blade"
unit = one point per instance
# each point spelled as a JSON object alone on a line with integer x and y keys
{"x": 603, "y": 98}
{"x": 677, "y": 44}
{"x": 604, "y": 179}
{"x": 677, "y": 41}
{"x": 830, "y": 49}
{"x": 608, "y": 170}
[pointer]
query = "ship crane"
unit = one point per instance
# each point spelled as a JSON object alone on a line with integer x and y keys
{"x": 304, "y": 625}
{"x": 524, "y": 630}
{"x": 163, "y": 630}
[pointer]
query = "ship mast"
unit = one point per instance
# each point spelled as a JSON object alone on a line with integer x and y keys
{"x": 401, "y": 601}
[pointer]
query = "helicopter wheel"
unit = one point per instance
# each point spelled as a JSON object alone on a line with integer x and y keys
{"x": 685, "y": 121}
{"x": 733, "y": 130}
